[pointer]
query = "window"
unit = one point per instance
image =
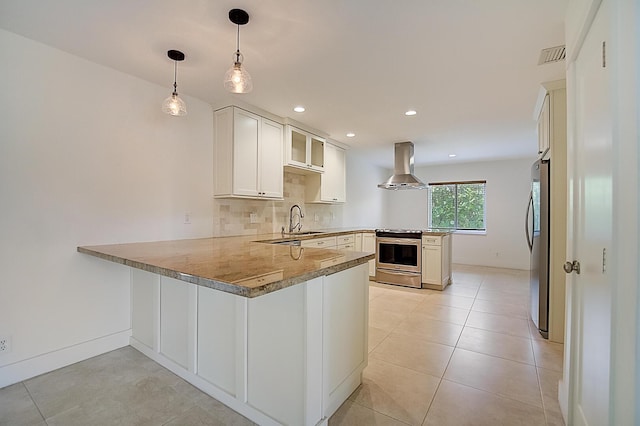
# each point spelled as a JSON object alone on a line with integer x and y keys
{"x": 457, "y": 205}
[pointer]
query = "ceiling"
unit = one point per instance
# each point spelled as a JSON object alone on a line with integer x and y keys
{"x": 469, "y": 68}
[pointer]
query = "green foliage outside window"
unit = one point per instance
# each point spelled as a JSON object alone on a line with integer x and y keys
{"x": 457, "y": 206}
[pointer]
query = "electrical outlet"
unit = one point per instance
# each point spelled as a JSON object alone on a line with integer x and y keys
{"x": 316, "y": 217}
{"x": 5, "y": 344}
{"x": 187, "y": 218}
{"x": 253, "y": 218}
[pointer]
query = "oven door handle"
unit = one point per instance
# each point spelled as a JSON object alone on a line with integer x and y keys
{"x": 403, "y": 241}
{"x": 392, "y": 272}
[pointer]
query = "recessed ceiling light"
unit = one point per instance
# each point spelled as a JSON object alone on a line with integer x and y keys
{"x": 410, "y": 112}
{"x": 452, "y": 155}
{"x": 299, "y": 108}
{"x": 350, "y": 134}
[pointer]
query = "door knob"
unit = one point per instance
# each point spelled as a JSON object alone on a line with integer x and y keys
{"x": 569, "y": 267}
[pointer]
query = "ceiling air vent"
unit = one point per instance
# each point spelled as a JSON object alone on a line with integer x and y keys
{"x": 551, "y": 54}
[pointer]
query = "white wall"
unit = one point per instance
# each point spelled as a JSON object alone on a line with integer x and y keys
{"x": 86, "y": 157}
{"x": 364, "y": 206}
{"x": 507, "y": 193}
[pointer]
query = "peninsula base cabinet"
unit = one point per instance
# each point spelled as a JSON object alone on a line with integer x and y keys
{"x": 436, "y": 261}
{"x": 290, "y": 357}
{"x": 369, "y": 245}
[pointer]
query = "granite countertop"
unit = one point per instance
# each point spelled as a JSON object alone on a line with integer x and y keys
{"x": 437, "y": 232}
{"x": 242, "y": 265}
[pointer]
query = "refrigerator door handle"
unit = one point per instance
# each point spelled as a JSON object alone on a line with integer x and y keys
{"x": 526, "y": 222}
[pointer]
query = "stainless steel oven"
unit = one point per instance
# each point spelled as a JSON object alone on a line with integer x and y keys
{"x": 399, "y": 257}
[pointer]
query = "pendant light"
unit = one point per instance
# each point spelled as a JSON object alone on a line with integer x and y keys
{"x": 173, "y": 105}
{"x": 237, "y": 79}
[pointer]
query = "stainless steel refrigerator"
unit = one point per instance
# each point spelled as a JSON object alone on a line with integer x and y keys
{"x": 537, "y": 233}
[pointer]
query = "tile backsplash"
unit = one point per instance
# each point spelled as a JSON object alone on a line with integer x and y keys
{"x": 232, "y": 216}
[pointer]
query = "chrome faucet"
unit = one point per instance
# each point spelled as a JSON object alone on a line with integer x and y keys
{"x": 298, "y": 225}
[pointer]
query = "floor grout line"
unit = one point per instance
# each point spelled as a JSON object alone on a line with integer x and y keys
{"x": 34, "y": 403}
{"x": 456, "y": 346}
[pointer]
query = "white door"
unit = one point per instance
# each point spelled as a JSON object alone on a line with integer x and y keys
{"x": 332, "y": 187}
{"x": 271, "y": 146}
{"x": 590, "y": 233}
{"x": 245, "y": 152}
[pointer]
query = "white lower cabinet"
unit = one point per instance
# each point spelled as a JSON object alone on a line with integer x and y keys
{"x": 346, "y": 242}
{"x": 275, "y": 356}
{"x": 345, "y": 352}
{"x": 177, "y": 307}
{"x": 290, "y": 357}
{"x": 358, "y": 241}
{"x": 369, "y": 246}
{"x": 436, "y": 261}
{"x": 324, "y": 242}
{"x": 218, "y": 343}
{"x": 431, "y": 264}
{"x": 145, "y": 318}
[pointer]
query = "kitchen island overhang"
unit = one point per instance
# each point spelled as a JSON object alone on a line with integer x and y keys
{"x": 230, "y": 264}
{"x": 278, "y": 333}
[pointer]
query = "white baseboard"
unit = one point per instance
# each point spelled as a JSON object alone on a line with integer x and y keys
{"x": 340, "y": 394}
{"x": 563, "y": 400}
{"x": 32, "y": 367}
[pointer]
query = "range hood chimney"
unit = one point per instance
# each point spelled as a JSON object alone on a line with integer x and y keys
{"x": 403, "y": 177}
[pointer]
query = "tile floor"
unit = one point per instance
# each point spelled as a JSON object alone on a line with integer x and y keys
{"x": 465, "y": 356}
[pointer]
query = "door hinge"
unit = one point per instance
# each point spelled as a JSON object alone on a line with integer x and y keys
{"x": 604, "y": 54}
{"x": 604, "y": 260}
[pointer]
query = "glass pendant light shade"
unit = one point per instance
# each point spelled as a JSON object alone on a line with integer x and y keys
{"x": 237, "y": 79}
{"x": 175, "y": 106}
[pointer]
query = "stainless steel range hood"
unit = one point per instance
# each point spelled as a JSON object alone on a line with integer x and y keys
{"x": 403, "y": 177}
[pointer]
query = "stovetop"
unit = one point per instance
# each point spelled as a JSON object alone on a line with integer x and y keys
{"x": 399, "y": 233}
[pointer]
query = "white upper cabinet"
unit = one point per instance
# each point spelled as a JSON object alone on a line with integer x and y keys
{"x": 551, "y": 113}
{"x": 303, "y": 150}
{"x": 247, "y": 155}
{"x": 330, "y": 186}
{"x": 544, "y": 125}
{"x": 270, "y": 170}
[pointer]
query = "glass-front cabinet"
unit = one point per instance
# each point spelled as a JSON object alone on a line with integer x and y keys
{"x": 304, "y": 150}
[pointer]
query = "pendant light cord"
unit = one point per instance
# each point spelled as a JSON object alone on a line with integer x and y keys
{"x": 238, "y": 44}
{"x": 238, "y": 39}
{"x": 175, "y": 77}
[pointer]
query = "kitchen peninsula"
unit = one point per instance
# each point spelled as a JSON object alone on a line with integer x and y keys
{"x": 276, "y": 332}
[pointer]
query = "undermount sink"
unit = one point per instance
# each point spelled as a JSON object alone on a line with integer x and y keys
{"x": 302, "y": 233}
{"x": 288, "y": 243}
